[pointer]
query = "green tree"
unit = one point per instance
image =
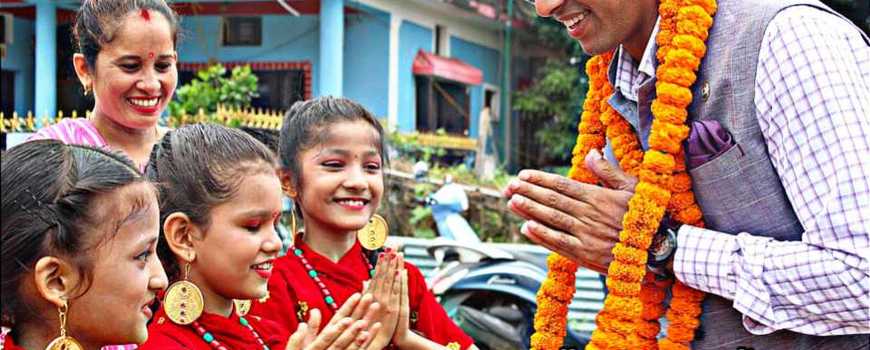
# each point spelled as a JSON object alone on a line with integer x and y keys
{"x": 212, "y": 87}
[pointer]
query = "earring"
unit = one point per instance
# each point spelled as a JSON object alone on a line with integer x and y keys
{"x": 243, "y": 306}
{"x": 293, "y": 228}
{"x": 183, "y": 301}
{"x": 87, "y": 89}
{"x": 374, "y": 234}
{"x": 63, "y": 342}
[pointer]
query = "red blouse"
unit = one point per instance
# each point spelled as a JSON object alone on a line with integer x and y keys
{"x": 292, "y": 293}
{"x": 165, "y": 335}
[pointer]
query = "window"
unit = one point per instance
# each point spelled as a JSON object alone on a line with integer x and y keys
{"x": 278, "y": 88}
{"x": 442, "y": 105}
{"x": 242, "y": 31}
{"x": 441, "y": 41}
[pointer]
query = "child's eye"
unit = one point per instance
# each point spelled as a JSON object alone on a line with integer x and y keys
{"x": 144, "y": 255}
{"x": 332, "y": 164}
{"x": 373, "y": 166}
{"x": 129, "y": 66}
{"x": 164, "y": 66}
{"x": 252, "y": 227}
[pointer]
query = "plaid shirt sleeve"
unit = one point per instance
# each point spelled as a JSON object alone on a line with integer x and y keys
{"x": 812, "y": 97}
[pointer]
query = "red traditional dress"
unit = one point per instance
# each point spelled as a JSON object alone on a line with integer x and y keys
{"x": 227, "y": 331}
{"x": 293, "y": 292}
{"x": 6, "y": 343}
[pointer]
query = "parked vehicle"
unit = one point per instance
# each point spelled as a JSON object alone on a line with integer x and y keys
{"x": 489, "y": 292}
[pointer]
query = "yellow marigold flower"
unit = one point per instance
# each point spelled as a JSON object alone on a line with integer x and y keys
{"x": 673, "y": 94}
{"x": 545, "y": 342}
{"x": 695, "y": 14}
{"x": 682, "y": 58}
{"x": 681, "y": 200}
{"x": 632, "y": 161}
{"x": 690, "y": 214}
{"x": 658, "y": 162}
{"x": 556, "y": 262}
{"x": 681, "y": 182}
{"x": 692, "y": 28}
{"x": 647, "y": 329}
{"x": 629, "y": 255}
{"x": 677, "y": 75}
{"x": 668, "y": 113}
{"x": 625, "y": 287}
{"x": 627, "y": 273}
{"x": 654, "y": 193}
{"x": 649, "y": 176}
{"x": 690, "y": 43}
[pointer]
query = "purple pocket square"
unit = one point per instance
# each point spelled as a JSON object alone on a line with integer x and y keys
{"x": 707, "y": 140}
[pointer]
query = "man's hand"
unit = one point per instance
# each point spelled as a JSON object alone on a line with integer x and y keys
{"x": 577, "y": 220}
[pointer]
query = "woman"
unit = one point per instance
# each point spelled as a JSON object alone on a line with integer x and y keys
{"x": 127, "y": 59}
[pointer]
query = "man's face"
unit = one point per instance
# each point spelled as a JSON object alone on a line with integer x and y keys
{"x": 601, "y": 25}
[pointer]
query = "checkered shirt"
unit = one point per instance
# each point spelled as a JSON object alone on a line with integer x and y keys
{"x": 812, "y": 98}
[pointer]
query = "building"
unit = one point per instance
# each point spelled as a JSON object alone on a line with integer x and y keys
{"x": 420, "y": 65}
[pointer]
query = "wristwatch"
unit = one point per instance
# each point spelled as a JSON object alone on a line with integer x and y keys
{"x": 663, "y": 247}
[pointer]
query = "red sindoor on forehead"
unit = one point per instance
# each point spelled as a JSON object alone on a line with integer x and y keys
{"x": 144, "y": 13}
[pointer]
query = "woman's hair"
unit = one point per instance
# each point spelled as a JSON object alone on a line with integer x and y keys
{"x": 305, "y": 123}
{"x": 48, "y": 209}
{"x": 97, "y": 21}
{"x": 198, "y": 167}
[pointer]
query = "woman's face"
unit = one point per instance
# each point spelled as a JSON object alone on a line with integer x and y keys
{"x": 342, "y": 178}
{"x": 234, "y": 256}
{"x": 126, "y": 274}
{"x": 135, "y": 74}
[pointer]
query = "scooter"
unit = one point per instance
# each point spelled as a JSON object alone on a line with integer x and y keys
{"x": 489, "y": 292}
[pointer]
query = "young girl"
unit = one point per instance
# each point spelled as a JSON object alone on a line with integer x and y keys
{"x": 220, "y": 200}
{"x": 127, "y": 59}
{"x": 79, "y": 234}
{"x": 332, "y": 155}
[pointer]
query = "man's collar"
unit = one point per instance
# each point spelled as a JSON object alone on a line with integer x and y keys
{"x": 648, "y": 60}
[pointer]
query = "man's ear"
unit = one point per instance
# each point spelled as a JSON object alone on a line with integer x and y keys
{"x": 56, "y": 280}
{"x": 179, "y": 232}
{"x": 287, "y": 186}
{"x": 83, "y": 71}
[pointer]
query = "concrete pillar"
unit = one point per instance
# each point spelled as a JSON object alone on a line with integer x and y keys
{"x": 45, "y": 94}
{"x": 331, "y": 71}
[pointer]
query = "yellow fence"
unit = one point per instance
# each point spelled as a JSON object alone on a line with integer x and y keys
{"x": 27, "y": 123}
{"x": 229, "y": 116}
{"x": 233, "y": 117}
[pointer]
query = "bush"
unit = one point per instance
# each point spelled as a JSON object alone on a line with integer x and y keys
{"x": 212, "y": 87}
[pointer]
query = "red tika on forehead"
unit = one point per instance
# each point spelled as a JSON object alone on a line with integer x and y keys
{"x": 144, "y": 13}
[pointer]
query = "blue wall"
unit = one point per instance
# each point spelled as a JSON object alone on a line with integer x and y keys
{"x": 412, "y": 37}
{"x": 366, "y": 59}
{"x": 285, "y": 38}
{"x": 483, "y": 58}
{"x": 19, "y": 59}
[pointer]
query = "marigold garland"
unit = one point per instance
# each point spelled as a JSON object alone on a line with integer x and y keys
{"x": 629, "y": 318}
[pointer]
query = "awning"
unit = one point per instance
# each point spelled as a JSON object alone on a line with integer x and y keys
{"x": 446, "y": 68}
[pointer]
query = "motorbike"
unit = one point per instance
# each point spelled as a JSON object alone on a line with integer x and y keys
{"x": 489, "y": 292}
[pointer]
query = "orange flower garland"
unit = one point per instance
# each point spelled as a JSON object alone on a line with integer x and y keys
{"x": 631, "y": 310}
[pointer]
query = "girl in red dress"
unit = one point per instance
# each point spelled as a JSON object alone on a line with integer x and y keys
{"x": 220, "y": 201}
{"x": 79, "y": 235}
{"x": 332, "y": 154}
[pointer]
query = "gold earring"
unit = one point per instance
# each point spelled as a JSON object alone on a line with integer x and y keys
{"x": 243, "y": 306}
{"x": 374, "y": 234}
{"x": 183, "y": 301}
{"x": 63, "y": 342}
{"x": 87, "y": 89}
{"x": 293, "y": 228}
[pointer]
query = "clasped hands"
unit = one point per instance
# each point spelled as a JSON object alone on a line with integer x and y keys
{"x": 370, "y": 321}
{"x": 577, "y": 220}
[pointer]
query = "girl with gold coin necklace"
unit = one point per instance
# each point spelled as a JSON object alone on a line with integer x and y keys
{"x": 332, "y": 155}
{"x": 220, "y": 200}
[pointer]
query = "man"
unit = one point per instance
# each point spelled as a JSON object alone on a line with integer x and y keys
{"x": 786, "y": 253}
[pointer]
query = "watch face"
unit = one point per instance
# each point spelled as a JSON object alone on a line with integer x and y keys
{"x": 662, "y": 246}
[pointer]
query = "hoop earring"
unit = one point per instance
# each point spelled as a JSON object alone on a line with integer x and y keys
{"x": 63, "y": 342}
{"x": 87, "y": 89}
{"x": 183, "y": 302}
